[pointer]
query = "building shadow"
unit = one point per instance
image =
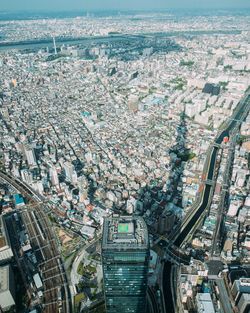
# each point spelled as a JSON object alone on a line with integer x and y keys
{"x": 162, "y": 206}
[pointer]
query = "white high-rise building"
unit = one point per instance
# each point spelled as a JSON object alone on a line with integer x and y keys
{"x": 54, "y": 176}
{"x": 26, "y": 176}
{"x": 38, "y": 186}
{"x": 68, "y": 169}
{"x": 70, "y": 173}
{"x": 83, "y": 188}
{"x": 7, "y": 289}
{"x": 30, "y": 155}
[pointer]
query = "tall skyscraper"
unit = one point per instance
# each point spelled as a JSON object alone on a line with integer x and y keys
{"x": 30, "y": 155}
{"x": 133, "y": 102}
{"x": 54, "y": 176}
{"x": 166, "y": 221}
{"x": 54, "y": 43}
{"x": 125, "y": 259}
{"x": 70, "y": 173}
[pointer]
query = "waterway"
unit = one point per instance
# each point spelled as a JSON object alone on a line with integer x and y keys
{"x": 44, "y": 43}
{"x": 87, "y": 41}
{"x": 167, "y": 288}
{"x": 211, "y": 169}
{"x": 179, "y": 240}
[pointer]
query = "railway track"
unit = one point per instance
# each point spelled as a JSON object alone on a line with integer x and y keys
{"x": 42, "y": 240}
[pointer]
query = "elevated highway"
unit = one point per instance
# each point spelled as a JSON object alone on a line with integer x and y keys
{"x": 202, "y": 204}
{"x": 204, "y": 198}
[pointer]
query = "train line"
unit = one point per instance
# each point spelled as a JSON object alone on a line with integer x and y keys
{"x": 42, "y": 239}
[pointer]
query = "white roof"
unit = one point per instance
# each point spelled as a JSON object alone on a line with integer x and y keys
{"x": 247, "y": 201}
{"x": 233, "y": 209}
{"x": 37, "y": 281}
{"x": 204, "y": 303}
{"x": 5, "y": 253}
{"x": 6, "y": 300}
{"x": 87, "y": 230}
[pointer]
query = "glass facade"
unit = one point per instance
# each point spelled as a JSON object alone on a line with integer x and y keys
{"x": 125, "y": 280}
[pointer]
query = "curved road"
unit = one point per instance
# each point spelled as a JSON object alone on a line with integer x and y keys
{"x": 239, "y": 115}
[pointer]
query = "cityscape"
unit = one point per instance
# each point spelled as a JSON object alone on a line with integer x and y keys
{"x": 125, "y": 159}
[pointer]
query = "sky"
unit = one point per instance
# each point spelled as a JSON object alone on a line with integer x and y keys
{"x": 83, "y": 5}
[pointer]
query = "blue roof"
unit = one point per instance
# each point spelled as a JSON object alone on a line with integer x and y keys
{"x": 206, "y": 288}
{"x": 157, "y": 101}
{"x": 18, "y": 199}
{"x": 86, "y": 113}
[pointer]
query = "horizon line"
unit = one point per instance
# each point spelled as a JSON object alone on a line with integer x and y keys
{"x": 119, "y": 9}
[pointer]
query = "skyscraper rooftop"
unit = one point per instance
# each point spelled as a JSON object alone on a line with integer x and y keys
{"x": 125, "y": 232}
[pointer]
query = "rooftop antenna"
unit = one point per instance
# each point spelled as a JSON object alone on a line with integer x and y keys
{"x": 54, "y": 42}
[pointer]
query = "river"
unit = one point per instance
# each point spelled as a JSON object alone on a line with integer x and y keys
{"x": 167, "y": 267}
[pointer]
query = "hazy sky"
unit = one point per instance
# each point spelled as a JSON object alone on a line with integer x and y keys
{"x": 118, "y": 4}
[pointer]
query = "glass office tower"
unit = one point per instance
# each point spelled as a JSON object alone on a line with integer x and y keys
{"x": 125, "y": 259}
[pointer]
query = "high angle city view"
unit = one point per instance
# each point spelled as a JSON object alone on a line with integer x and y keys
{"x": 125, "y": 156}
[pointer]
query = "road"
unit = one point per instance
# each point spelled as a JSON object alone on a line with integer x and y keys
{"x": 52, "y": 269}
{"x": 152, "y": 301}
{"x": 225, "y": 301}
{"x": 74, "y": 276}
{"x": 196, "y": 212}
{"x": 215, "y": 250}
{"x": 203, "y": 202}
